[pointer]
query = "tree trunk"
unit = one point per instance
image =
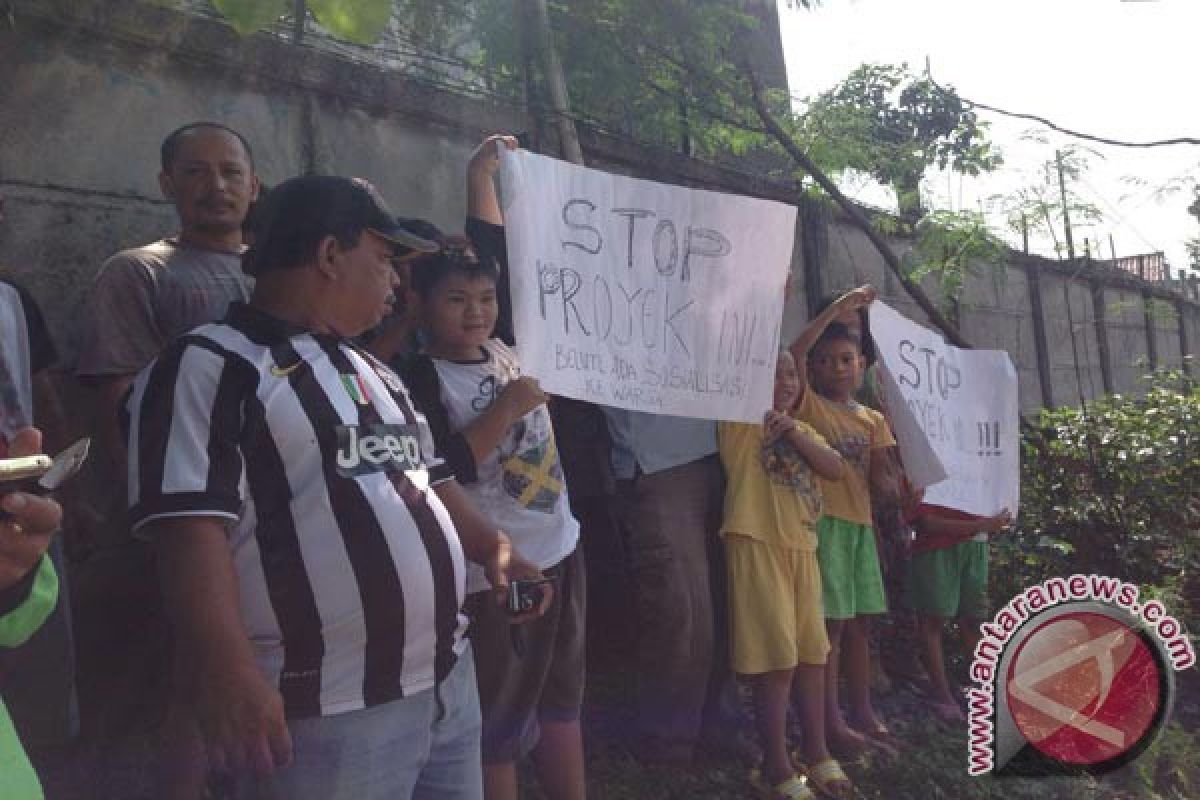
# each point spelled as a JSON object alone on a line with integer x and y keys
{"x": 556, "y": 83}
{"x": 804, "y": 162}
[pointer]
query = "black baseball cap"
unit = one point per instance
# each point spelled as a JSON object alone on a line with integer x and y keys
{"x": 300, "y": 212}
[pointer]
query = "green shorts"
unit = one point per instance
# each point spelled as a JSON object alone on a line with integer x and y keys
{"x": 851, "y": 581}
{"x": 951, "y": 582}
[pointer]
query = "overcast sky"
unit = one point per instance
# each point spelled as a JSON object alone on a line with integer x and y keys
{"x": 1124, "y": 70}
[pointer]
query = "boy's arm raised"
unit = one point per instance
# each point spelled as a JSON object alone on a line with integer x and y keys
{"x": 850, "y": 301}
{"x": 485, "y": 222}
{"x": 481, "y": 170}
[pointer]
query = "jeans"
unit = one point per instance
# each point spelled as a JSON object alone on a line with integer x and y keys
{"x": 393, "y": 751}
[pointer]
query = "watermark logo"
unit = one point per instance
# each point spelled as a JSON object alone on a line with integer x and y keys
{"x": 1073, "y": 675}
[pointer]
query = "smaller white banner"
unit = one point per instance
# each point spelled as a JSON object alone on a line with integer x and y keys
{"x": 954, "y": 412}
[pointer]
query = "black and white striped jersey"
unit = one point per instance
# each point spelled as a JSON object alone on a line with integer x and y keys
{"x": 350, "y": 572}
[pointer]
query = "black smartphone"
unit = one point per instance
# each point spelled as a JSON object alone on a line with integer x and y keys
{"x": 526, "y": 595}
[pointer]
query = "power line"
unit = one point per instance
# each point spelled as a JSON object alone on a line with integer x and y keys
{"x": 1060, "y": 128}
{"x": 1120, "y": 218}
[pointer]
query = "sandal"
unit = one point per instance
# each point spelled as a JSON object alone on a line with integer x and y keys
{"x": 830, "y": 780}
{"x": 794, "y": 788}
{"x": 880, "y": 739}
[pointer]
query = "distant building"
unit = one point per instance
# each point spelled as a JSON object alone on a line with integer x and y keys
{"x": 1147, "y": 266}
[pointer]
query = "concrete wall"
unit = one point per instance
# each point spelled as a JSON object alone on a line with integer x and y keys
{"x": 1190, "y": 324}
{"x": 1108, "y": 327}
{"x": 1129, "y": 353}
{"x": 997, "y": 317}
{"x": 1164, "y": 322}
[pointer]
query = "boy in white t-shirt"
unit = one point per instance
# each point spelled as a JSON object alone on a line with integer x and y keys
{"x": 492, "y": 425}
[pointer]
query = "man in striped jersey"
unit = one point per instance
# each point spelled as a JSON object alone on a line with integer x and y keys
{"x": 311, "y": 545}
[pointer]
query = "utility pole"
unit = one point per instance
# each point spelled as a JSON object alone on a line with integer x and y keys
{"x": 1062, "y": 188}
{"x": 532, "y": 97}
{"x": 299, "y": 9}
{"x": 556, "y": 84}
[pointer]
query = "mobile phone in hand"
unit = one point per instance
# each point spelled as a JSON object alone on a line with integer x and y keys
{"x": 40, "y": 474}
{"x": 21, "y": 474}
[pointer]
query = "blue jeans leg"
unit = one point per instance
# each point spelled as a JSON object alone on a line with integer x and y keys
{"x": 424, "y": 746}
{"x": 454, "y": 769}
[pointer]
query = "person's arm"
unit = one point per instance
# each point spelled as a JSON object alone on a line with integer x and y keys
{"x": 485, "y": 545}
{"x": 28, "y": 585}
{"x": 240, "y": 714}
{"x": 933, "y": 524}
{"x": 120, "y": 336}
{"x": 482, "y": 202}
{"x": 824, "y": 460}
{"x": 850, "y": 301}
{"x": 485, "y": 224}
{"x": 487, "y": 431}
{"x": 25, "y": 537}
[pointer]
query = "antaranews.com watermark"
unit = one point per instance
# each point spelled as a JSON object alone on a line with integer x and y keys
{"x": 1072, "y": 675}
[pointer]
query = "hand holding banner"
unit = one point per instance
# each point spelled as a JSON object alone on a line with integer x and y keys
{"x": 642, "y": 295}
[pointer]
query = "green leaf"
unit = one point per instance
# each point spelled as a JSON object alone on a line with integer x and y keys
{"x": 359, "y": 21}
{"x": 248, "y": 16}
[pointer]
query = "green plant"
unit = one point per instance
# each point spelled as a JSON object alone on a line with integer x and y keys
{"x": 949, "y": 244}
{"x": 1170, "y": 768}
{"x": 885, "y": 121}
{"x": 1037, "y": 208}
{"x": 359, "y": 21}
{"x": 1112, "y": 489}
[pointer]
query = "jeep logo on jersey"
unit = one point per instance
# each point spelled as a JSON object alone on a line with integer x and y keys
{"x": 377, "y": 448}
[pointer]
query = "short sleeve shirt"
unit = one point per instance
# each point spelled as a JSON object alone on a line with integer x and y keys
{"x": 519, "y": 486}
{"x": 854, "y": 431}
{"x": 144, "y": 298}
{"x": 771, "y": 492}
{"x": 350, "y": 572}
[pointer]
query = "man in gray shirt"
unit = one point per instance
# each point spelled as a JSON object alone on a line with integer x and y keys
{"x": 141, "y": 300}
{"x": 145, "y": 297}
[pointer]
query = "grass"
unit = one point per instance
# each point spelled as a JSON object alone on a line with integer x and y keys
{"x": 932, "y": 765}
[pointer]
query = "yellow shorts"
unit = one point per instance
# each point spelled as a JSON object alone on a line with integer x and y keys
{"x": 774, "y": 606}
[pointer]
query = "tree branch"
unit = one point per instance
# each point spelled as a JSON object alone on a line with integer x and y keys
{"x": 798, "y": 155}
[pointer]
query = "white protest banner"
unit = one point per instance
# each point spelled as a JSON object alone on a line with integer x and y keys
{"x": 964, "y": 404}
{"x": 642, "y": 295}
{"x": 922, "y": 467}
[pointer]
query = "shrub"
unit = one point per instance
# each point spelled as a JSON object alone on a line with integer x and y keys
{"x": 1112, "y": 488}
